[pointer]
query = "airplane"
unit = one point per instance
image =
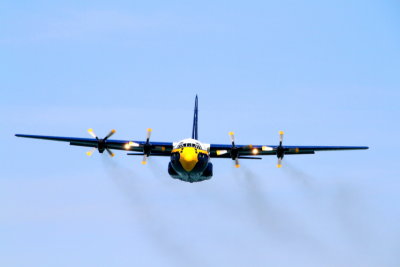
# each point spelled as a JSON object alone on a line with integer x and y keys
{"x": 190, "y": 158}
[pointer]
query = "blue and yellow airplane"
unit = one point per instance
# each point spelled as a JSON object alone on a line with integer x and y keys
{"x": 190, "y": 158}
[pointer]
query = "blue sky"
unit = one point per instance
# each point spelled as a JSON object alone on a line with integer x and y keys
{"x": 327, "y": 73}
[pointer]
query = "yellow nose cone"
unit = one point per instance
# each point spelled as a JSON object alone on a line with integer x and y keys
{"x": 188, "y": 158}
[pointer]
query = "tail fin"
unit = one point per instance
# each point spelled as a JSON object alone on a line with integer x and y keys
{"x": 195, "y": 118}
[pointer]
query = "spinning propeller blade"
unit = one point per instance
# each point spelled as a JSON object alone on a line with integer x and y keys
{"x": 91, "y": 132}
{"x": 90, "y": 152}
{"x": 144, "y": 161}
{"x": 110, "y": 133}
{"x": 110, "y": 152}
{"x": 149, "y": 130}
{"x": 279, "y": 164}
{"x": 281, "y": 133}
{"x": 232, "y": 135}
{"x": 237, "y": 165}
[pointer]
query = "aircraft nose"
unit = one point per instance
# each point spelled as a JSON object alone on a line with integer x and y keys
{"x": 189, "y": 157}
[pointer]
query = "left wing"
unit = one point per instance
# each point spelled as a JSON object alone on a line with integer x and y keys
{"x": 161, "y": 148}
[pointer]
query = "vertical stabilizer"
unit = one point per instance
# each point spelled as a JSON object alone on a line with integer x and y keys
{"x": 195, "y": 118}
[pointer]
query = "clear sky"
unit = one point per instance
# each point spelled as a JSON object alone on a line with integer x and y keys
{"x": 327, "y": 73}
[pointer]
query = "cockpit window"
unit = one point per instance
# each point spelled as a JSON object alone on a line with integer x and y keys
{"x": 197, "y": 146}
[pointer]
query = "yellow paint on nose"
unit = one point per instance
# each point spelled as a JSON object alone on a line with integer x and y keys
{"x": 188, "y": 158}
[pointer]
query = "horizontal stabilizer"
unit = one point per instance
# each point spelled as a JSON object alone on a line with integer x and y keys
{"x": 249, "y": 157}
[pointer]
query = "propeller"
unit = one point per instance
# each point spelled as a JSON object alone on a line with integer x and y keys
{"x": 101, "y": 143}
{"x": 147, "y": 147}
{"x": 280, "y": 150}
{"x": 234, "y": 151}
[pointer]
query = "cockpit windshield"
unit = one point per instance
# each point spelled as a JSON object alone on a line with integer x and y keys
{"x": 197, "y": 146}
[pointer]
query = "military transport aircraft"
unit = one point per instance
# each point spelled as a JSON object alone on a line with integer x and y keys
{"x": 190, "y": 158}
